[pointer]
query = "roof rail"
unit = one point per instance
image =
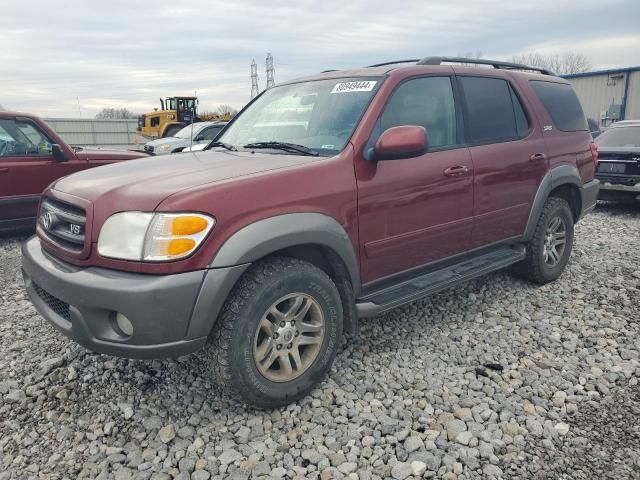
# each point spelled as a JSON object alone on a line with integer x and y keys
{"x": 414, "y": 60}
{"x": 479, "y": 61}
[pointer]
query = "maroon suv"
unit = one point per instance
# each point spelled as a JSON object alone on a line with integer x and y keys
{"x": 31, "y": 157}
{"x": 326, "y": 199}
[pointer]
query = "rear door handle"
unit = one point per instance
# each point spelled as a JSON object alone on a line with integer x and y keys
{"x": 538, "y": 157}
{"x": 456, "y": 171}
{"x": 4, "y": 170}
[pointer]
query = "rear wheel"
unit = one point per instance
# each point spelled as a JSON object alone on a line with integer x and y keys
{"x": 278, "y": 333}
{"x": 549, "y": 250}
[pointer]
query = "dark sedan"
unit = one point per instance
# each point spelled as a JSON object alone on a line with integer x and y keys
{"x": 619, "y": 161}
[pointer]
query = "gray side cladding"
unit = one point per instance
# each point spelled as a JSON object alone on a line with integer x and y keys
{"x": 560, "y": 175}
{"x": 266, "y": 236}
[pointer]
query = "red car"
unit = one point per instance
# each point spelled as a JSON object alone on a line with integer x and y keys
{"x": 326, "y": 199}
{"x": 32, "y": 156}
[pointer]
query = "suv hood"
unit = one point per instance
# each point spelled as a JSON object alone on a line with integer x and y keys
{"x": 143, "y": 184}
{"x": 165, "y": 140}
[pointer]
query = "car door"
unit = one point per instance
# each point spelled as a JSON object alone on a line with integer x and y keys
{"x": 509, "y": 157}
{"x": 418, "y": 210}
{"x": 27, "y": 167}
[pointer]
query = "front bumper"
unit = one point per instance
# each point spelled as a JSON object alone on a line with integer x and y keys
{"x": 589, "y": 196}
{"x": 172, "y": 315}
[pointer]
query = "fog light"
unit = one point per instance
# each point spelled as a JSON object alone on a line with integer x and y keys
{"x": 124, "y": 324}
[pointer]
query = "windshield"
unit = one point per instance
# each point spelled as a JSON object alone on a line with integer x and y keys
{"x": 620, "y": 137}
{"x": 320, "y": 115}
{"x": 186, "y": 131}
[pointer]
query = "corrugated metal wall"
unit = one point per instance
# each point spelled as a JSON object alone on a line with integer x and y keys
{"x": 105, "y": 133}
{"x": 599, "y": 92}
{"x": 633, "y": 97}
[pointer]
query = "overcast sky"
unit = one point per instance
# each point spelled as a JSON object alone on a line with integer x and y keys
{"x": 126, "y": 54}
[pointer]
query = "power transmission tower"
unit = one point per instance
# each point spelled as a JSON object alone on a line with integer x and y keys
{"x": 270, "y": 70}
{"x": 254, "y": 79}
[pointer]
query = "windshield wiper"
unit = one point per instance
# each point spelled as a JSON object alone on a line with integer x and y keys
{"x": 228, "y": 146}
{"x": 287, "y": 147}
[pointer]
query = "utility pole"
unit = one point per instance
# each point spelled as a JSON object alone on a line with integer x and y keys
{"x": 254, "y": 79}
{"x": 270, "y": 71}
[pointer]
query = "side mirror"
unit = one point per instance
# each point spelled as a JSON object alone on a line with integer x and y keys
{"x": 405, "y": 141}
{"x": 57, "y": 152}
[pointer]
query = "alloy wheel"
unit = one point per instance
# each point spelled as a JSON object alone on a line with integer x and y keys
{"x": 554, "y": 241}
{"x": 288, "y": 338}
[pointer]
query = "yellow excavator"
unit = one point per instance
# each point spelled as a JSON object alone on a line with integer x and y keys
{"x": 175, "y": 113}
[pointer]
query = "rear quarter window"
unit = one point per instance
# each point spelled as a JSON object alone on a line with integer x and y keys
{"x": 560, "y": 100}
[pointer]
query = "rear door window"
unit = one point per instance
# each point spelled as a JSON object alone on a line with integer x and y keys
{"x": 562, "y": 104}
{"x": 494, "y": 113}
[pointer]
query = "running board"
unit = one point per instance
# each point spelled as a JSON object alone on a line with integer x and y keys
{"x": 433, "y": 282}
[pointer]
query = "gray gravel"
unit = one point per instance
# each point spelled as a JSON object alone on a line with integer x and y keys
{"x": 409, "y": 397}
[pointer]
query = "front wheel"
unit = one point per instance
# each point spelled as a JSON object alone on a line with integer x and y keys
{"x": 278, "y": 333}
{"x": 549, "y": 250}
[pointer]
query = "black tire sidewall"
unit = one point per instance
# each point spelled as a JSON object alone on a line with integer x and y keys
{"x": 245, "y": 374}
{"x": 562, "y": 210}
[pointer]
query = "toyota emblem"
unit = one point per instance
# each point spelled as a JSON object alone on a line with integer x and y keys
{"x": 48, "y": 220}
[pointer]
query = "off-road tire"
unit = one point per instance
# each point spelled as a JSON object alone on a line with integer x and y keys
{"x": 230, "y": 347}
{"x": 533, "y": 267}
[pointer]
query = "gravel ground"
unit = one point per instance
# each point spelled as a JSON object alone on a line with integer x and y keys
{"x": 495, "y": 379}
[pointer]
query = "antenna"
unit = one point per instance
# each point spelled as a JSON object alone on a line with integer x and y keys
{"x": 270, "y": 71}
{"x": 193, "y": 117}
{"x": 254, "y": 79}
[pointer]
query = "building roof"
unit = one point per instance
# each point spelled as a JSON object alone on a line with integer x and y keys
{"x": 603, "y": 72}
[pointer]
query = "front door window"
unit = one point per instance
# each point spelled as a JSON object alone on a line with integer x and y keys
{"x": 22, "y": 139}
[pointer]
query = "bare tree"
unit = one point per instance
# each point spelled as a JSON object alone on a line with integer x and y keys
{"x": 224, "y": 109}
{"x": 560, "y": 63}
{"x": 115, "y": 114}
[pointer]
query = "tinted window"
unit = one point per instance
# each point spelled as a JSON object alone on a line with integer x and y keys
{"x": 22, "y": 139}
{"x": 625, "y": 137}
{"x": 210, "y": 133}
{"x": 426, "y": 102}
{"x": 522, "y": 123}
{"x": 562, "y": 104}
{"x": 494, "y": 112}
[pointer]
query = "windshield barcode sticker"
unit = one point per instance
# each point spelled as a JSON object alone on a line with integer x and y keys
{"x": 346, "y": 87}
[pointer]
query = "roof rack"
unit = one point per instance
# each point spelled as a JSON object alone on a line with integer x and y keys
{"x": 475, "y": 61}
{"x": 480, "y": 61}
{"x": 415, "y": 60}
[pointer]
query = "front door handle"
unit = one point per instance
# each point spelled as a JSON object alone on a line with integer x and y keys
{"x": 456, "y": 171}
{"x": 4, "y": 170}
{"x": 538, "y": 157}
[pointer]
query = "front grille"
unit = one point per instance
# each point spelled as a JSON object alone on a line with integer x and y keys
{"x": 148, "y": 148}
{"x": 58, "y": 306}
{"x": 63, "y": 224}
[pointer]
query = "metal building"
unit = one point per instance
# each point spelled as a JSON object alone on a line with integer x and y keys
{"x": 609, "y": 95}
{"x": 94, "y": 132}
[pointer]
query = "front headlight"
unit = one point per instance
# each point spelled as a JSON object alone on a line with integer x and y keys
{"x": 165, "y": 147}
{"x": 153, "y": 237}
